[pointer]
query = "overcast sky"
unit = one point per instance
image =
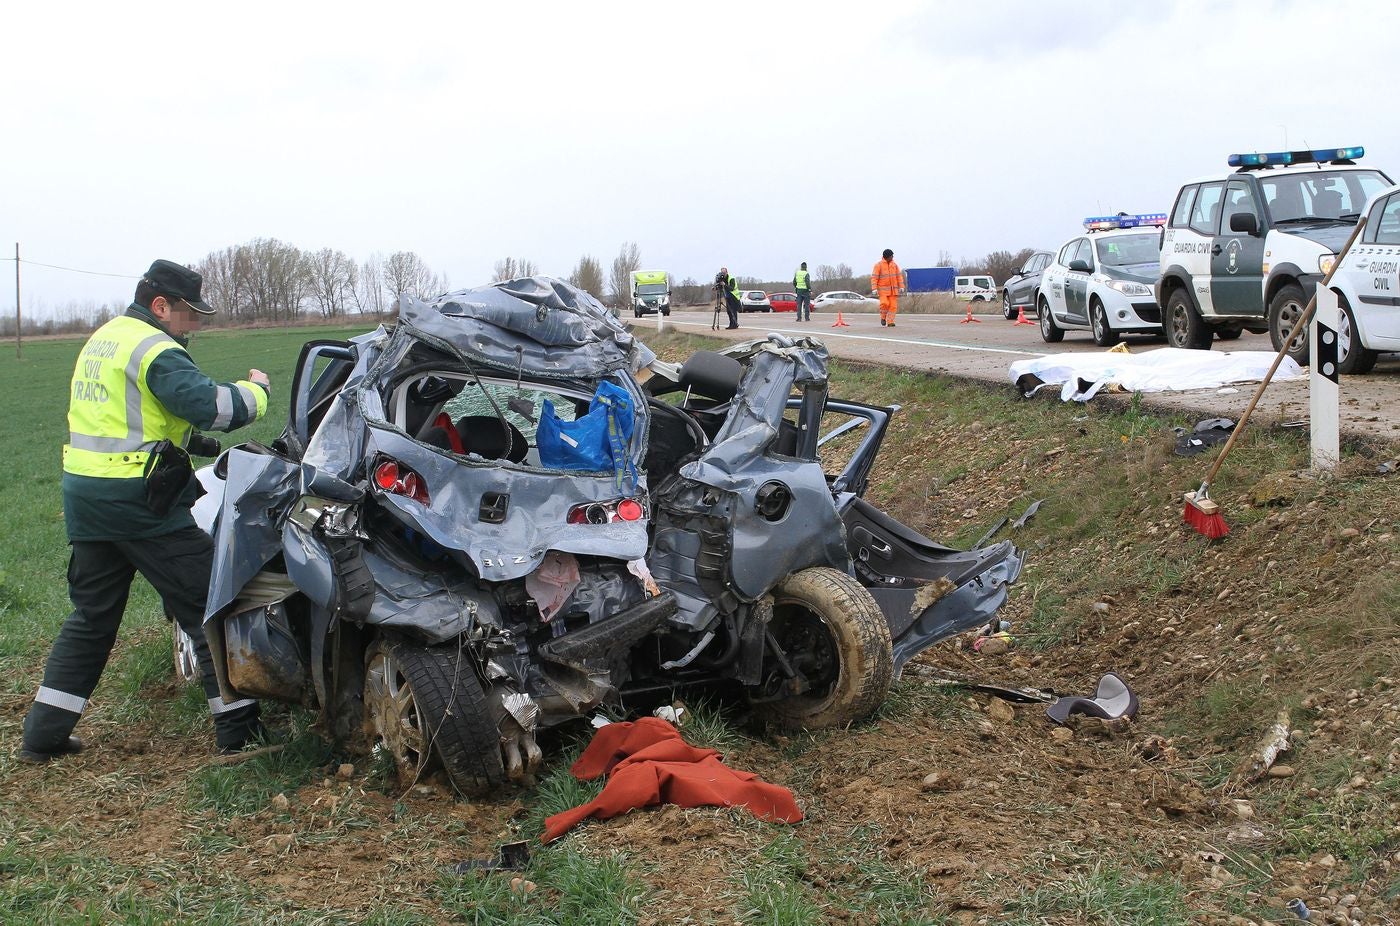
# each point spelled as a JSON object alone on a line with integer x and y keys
{"x": 753, "y": 134}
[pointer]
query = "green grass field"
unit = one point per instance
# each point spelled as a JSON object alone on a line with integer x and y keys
{"x": 145, "y": 830}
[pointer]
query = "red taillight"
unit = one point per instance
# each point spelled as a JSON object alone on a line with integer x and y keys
{"x": 386, "y": 476}
{"x": 401, "y": 480}
{"x": 626, "y": 509}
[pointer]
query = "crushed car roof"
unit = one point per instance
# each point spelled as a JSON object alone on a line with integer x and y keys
{"x": 536, "y": 325}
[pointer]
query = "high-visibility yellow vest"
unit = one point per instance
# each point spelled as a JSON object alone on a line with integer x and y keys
{"x": 113, "y": 420}
{"x": 734, "y": 286}
{"x": 800, "y": 278}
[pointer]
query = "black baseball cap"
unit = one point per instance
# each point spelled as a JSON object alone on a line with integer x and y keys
{"x": 171, "y": 279}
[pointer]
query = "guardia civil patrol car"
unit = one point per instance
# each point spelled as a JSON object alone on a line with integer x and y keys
{"x": 1368, "y": 288}
{"x": 1102, "y": 280}
{"x": 1244, "y": 250}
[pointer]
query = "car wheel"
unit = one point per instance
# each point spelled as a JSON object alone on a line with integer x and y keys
{"x": 1184, "y": 326}
{"x": 186, "y": 660}
{"x": 1284, "y": 309}
{"x": 1351, "y": 356}
{"x": 1006, "y": 310}
{"x": 426, "y": 709}
{"x": 1104, "y": 335}
{"x": 1228, "y": 334}
{"x": 830, "y": 629}
{"x": 978, "y": 299}
{"x": 637, "y": 312}
{"x": 666, "y": 313}
{"x": 1049, "y": 331}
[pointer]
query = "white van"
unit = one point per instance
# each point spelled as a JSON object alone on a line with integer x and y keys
{"x": 975, "y": 288}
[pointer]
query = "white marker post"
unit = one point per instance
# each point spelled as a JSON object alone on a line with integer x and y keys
{"x": 660, "y": 321}
{"x": 1324, "y": 396}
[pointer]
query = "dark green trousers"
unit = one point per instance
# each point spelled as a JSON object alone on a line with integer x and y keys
{"x": 99, "y": 580}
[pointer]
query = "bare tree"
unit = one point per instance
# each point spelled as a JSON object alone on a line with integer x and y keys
{"x": 504, "y": 269}
{"x": 826, "y": 276}
{"x": 588, "y": 276}
{"x": 691, "y": 292}
{"x": 369, "y": 290}
{"x": 508, "y": 268}
{"x": 845, "y": 275}
{"x": 332, "y": 281}
{"x": 628, "y": 259}
{"x": 271, "y": 279}
{"x": 999, "y": 264}
{"x": 405, "y": 273}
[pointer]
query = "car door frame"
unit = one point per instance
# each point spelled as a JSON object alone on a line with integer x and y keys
{"x": 1053, "y": 280}
{"x": 1076, "y": 285}
{"x": 1194, "y": 253}
{"x": 1237, "y": 259}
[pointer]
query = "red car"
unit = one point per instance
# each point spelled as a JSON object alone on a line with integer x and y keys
{"x": 783, "y": 302}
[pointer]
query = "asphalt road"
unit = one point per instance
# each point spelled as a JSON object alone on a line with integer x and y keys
{"x": 986, "y": 349}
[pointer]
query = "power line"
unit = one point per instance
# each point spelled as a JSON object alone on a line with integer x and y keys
{"x": 96, "y": 273}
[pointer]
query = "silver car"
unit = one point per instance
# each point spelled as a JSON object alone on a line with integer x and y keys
{"x": 479, "y": 524}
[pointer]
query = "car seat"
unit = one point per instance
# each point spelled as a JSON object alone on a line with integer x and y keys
{"x": 492, "y": 438}
{"x": 1327, "y": 204}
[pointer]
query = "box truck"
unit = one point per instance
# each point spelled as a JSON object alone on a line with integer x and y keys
{"x": 651, "y": 292}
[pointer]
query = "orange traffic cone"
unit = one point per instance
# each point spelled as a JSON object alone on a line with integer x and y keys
{"x": 1021, "y": 316}
{"x": 976, "y": 321}
{"x": 840, "y": 322}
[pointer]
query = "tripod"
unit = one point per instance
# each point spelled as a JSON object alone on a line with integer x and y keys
{"x": 719, "y": 304}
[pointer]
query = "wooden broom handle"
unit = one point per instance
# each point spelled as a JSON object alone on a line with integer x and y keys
{"x": 1297, "y": 327}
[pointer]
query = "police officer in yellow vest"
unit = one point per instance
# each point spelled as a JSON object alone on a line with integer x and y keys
{"x": 135, "y": 401}
{"x": 731, "y": 301}
{"x": 802, "y": 282}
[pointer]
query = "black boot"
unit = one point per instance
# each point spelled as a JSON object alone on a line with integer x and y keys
{"x": 68, "y": 747}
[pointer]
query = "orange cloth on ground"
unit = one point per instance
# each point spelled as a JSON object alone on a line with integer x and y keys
{"x": 648, "y": 763}
{"x": 889, "y": 305}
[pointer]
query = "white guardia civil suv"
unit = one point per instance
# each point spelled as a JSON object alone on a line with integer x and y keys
{"x": 1244, "y": 250}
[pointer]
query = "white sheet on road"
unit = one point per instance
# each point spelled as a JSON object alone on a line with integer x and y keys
{"x": 1163, "y": 370}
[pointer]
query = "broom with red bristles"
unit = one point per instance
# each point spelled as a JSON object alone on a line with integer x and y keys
{"x": 1201, "y": 512}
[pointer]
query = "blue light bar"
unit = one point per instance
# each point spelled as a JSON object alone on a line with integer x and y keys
{"x": 1111, "y": 222}
{"x": 1281, "y": 158}
{"x": 1339, "y": 154}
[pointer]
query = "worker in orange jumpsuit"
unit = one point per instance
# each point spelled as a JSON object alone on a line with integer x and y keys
{"x": 887, "y": 282}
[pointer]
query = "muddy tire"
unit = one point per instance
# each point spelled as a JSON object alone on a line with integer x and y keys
{"x": 1352, "y": 357}
{"x": 426, "y": 708}
{"x": 831, "y": 629}
{"x": 1050, "y": 332}
{"x": 1183, "y": 325}
{"x": 1104, "y": 335}
{"x": 1289, "y": 303}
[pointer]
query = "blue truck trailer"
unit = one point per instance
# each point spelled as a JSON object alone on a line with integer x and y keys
{"x": 931, "y": 279}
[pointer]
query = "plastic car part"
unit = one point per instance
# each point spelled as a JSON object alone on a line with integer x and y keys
{"x": 1112, "y": 699}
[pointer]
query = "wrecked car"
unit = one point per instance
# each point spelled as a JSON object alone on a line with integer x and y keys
{"x": 504, "y": 512}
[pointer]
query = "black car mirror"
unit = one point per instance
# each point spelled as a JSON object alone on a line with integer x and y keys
{"x": 1245, "y": 222}
{"x": 1016, "y": 272}
{"x": 1078, "y": 266}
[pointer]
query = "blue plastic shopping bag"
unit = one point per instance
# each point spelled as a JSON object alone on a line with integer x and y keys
{"x": 596, "y": 442}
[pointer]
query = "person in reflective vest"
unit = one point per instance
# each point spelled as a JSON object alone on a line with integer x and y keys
{"x": 134, "y": 404}
{"x": 802, "y": 282}
{"x": 731, "y": 301}
{"x": 887, "y": 282}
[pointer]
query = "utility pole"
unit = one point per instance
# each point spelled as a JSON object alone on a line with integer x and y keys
{"x": 19, "y": 343}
